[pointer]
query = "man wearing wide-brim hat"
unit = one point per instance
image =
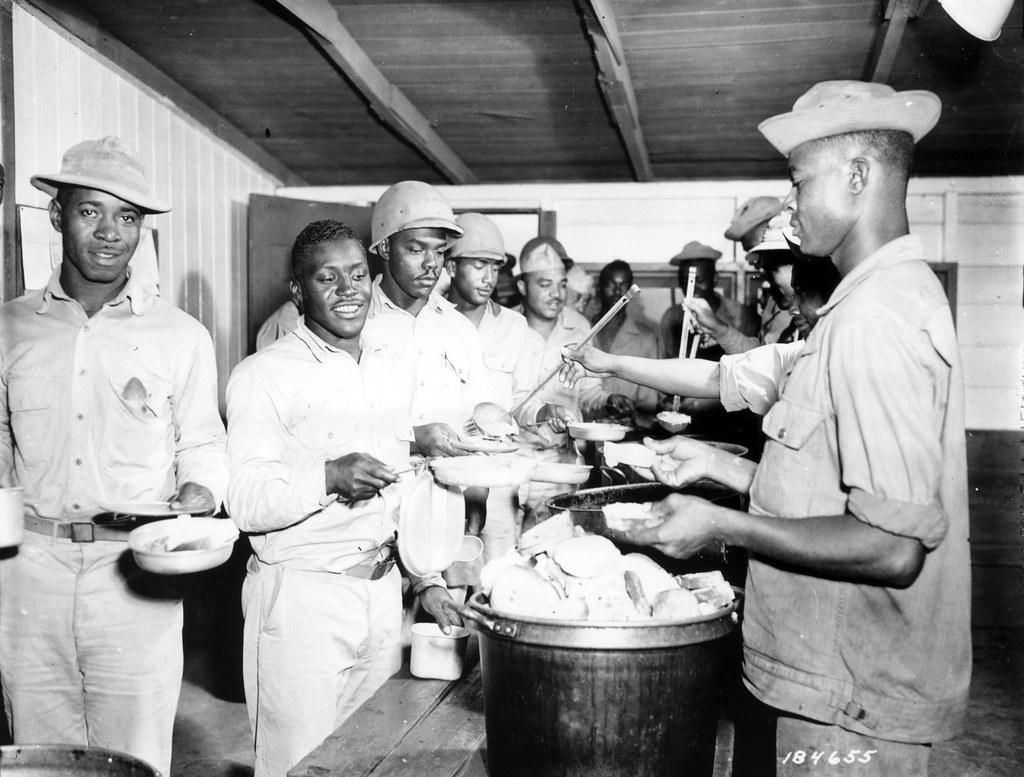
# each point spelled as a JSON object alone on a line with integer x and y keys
{"x": 109, "y": 400}
{"x": 751, "y": 219}
{"x": 857, "y": 617}
{"x": 732, "y": 314}
{"x": 774, "y": 324}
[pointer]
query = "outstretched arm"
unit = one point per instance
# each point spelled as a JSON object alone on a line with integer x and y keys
{"x": 685, "y": 377}
{"x": 841, "y": 547}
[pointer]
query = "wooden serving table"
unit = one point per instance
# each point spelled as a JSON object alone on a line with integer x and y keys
{"x": 427, "y": 728}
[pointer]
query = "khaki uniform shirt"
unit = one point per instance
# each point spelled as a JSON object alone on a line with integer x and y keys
{"x": 512, "y": 354}
{"x": 103, "y": 411}
{"x": 634, "y": 338}
{"x": 870, "y": 422}
{"x": 448, "y": 360}
{"x": 292, "y": 407}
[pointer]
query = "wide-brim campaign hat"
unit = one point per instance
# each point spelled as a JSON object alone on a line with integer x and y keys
{"x": 693, "y": 251}
{"x": 836, "y": 107}
{"x": 106, "y": 165}
{"x": 754, "y": 211}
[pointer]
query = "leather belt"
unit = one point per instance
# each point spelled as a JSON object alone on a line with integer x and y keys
{"x": 76, "y": 531}
{"x": 376, "y": 569}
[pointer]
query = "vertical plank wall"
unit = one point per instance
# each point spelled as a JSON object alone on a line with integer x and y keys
{"x": 66, "y": 92}
{"x": 976, "y": 222}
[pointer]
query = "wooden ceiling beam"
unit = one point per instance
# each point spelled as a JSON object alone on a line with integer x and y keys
{"x": 84, "y": 27}
{"x": 890, "y": 34}
{"x": 615, "y": 82}
{"x": 386, "y": 100}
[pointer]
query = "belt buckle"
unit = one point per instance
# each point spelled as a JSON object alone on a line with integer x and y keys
{"x": 83, "y": 532}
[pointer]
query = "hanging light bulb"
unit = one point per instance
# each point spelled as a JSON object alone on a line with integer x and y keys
{"x": 981, "y": 18}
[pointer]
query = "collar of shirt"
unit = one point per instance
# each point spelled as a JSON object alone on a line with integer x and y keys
{"x": 903, "y": 249}
{"x": 570, "y": 321}
{"x": 139, "y": 295}
{"x": 380, "y": 301}
{"x": 317, "y": 347}
{"x": 492, "y": 309}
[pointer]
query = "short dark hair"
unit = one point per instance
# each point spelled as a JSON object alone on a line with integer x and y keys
{"x": 815, "y": 277}
{"x": 894, "y": 148}
{"x": 613, "y": 266}
{"x": 315, "y": 233}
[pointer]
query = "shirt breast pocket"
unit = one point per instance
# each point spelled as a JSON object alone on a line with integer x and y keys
{"x": 137, "y": 428}
{"x": 32, "y": 405}
{"x": 503, "y": 362}
{"x": 795, "y": 459}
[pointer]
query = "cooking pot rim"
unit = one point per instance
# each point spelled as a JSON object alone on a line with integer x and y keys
{"x": 602, "y": 635}
{"x": 35, "y": 756}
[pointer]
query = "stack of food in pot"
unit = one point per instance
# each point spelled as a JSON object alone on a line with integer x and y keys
{"x": 560, "y": 572}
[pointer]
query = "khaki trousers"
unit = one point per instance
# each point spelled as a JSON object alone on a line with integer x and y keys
{"x": 316, "y": 645}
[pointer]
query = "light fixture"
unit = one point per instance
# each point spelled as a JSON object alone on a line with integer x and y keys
{"x": 981, "y": 18}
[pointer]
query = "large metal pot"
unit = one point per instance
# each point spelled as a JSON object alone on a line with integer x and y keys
{"x": 70, "y": 761}
{"x": 579, "y": 699}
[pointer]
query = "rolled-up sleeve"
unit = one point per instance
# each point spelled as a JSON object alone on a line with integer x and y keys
{"x": 884, "y": 392}
{"x": 200, "y": 442}
{"x": 268, "y": 489}
{"x": 753, "y": 380}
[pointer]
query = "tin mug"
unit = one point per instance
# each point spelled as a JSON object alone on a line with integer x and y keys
{"x": 12, "y": 517}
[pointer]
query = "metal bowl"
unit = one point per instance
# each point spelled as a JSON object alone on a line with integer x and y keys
{"x": 586, "y": 505}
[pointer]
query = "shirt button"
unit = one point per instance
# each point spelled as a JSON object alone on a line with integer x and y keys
{"x": 81, "y": 417}
{"x": 78, "y": 462}
{"x": 782, "y": 433}
{"x": 76, "y": 506}
{"x": 85, "y": 328}
{"x": 81, "y": 372}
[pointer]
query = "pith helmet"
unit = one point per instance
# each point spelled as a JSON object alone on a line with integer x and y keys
{"x": 410, "y": 205}
{"x": 481, "y": 239}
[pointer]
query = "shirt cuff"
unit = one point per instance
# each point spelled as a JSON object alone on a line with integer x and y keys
{"x": 317, "y": 482}
{"x": 421, "y": 583}
{"x": 927, "y": 523}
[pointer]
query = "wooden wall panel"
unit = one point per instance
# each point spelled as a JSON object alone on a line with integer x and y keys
{"x": 65, "y": 93}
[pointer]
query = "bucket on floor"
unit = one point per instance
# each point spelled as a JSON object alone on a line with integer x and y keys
{"x": 70, "y": 761}
{"x": 582, "y": 699}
